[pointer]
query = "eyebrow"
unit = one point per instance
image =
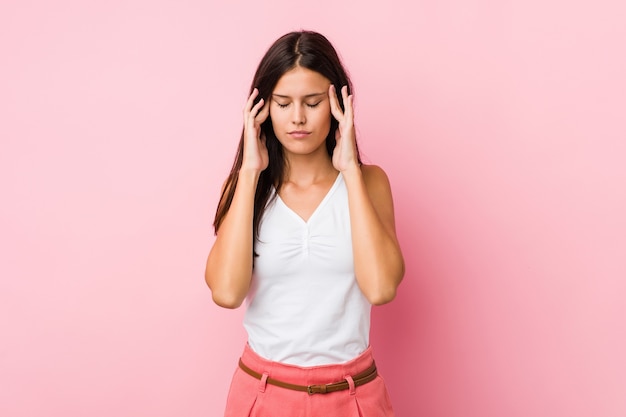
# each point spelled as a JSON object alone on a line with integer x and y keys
{"x": 307, "y": 96}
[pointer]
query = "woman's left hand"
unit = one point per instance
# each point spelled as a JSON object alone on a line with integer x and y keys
{"x": 344, "y": 155}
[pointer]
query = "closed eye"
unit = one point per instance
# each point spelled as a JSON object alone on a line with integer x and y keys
{"x": 310, "y": 105}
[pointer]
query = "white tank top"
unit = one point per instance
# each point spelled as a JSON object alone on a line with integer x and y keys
{"x": 305, "y": 307}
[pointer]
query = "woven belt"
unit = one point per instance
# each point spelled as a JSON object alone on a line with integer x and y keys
{"x": 359, "y": 379}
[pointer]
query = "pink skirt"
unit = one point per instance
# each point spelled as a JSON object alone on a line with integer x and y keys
{"x": 251, "y": 397}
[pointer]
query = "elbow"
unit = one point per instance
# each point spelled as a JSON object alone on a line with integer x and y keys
{"x": 386, "y": 288}
{"x": 227, "y": 299}
{"x": 224, "y": 295}
{"x": 381, "y": 297}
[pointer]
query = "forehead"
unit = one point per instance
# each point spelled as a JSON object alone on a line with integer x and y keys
{"x": 299, "y": 82}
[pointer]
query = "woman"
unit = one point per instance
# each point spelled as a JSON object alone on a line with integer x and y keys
{"x": 306, "y": 233}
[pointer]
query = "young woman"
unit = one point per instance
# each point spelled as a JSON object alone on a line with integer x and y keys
{"x": 306, "y": 233}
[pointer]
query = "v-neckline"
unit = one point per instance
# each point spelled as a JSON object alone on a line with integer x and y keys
{"x": 319, "y": 206}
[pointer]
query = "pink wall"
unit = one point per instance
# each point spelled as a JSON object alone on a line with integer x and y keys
{"x": 501, "y": 125}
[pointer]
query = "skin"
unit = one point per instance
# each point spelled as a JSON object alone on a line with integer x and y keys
{"x": 305, "y": 101}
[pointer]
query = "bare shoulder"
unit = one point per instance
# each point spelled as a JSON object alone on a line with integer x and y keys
{"x": 379, "y": 192}
{"x": 375, "y": 179}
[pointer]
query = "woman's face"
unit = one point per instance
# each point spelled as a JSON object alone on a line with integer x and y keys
{"x": 300, "y": 111}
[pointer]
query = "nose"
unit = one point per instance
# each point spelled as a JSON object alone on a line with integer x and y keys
{"x": 298, "y": 116}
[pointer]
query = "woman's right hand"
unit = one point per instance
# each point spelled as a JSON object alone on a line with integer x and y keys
{"x": 255, "y": 156}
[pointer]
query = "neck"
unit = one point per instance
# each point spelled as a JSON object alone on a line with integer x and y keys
{"x": 309, "y": 169}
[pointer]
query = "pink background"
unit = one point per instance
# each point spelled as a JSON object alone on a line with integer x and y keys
{"x": 501, "y": 126}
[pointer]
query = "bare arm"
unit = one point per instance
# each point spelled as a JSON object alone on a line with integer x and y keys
{"x": 229, "y": 265}
{"x": 378, "y": 262}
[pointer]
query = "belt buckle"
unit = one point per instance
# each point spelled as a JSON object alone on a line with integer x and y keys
{"x": 317, "y": 389}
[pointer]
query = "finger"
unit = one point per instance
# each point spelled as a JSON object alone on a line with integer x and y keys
{"x": 335, "y": 109}
{"x": 262, "y": 116}
{"x": 255, "y": 110}
{"x": 347, "y": 102}
{"x": 250, "y": 102}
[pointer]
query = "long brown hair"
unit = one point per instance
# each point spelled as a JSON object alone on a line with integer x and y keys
{"x": 306, "y": 49}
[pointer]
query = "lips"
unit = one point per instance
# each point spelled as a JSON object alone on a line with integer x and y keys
{"x": 299, "y": 133}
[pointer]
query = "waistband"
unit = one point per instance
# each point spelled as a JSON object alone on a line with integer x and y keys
{"x": 313, "y": 375}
